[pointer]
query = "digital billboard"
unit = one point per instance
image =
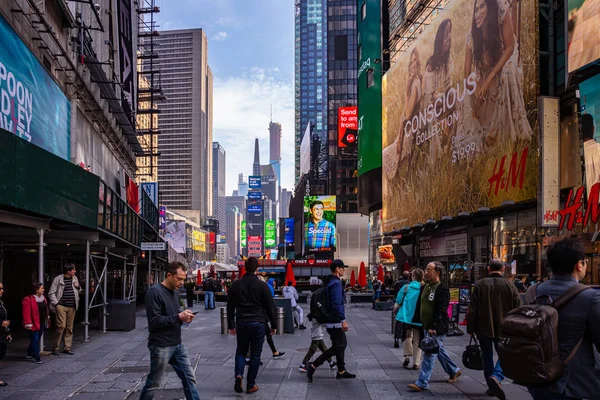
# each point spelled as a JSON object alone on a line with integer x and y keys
{"x": 254, "y": 182}
{"x": 583, "y": 27}
{"x": 255, "y": 208}
{"x": 175, "y": 235}
{"x": 319, "y": 223}
{"x": 270, "y": 233}
{"x": 32, "y": 106}
{"x": 459, "y": 118}
{"x": 243, "y": 234}
{"x": 254, "y": 246}
{"x": 254, "y": 195}
{"x": 289, "y": 230}
{"x": 347, "y": 126}
{"x": 589, "y": 99}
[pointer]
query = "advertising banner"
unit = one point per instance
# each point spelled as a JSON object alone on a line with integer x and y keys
{"x": 198, "y": 241}
{"x": 254, "y": 182}
{"x": 254, "y": 246}
{"x": 589, "y": 99}
{"x": 255, "y": 208}
{"x": 162, "y": 217}
{"x": 151, "y": 189}
{"x": 347, "y": 126}
{"x": 175, "y": 235}
{"x": 449, "y": 244}
{"x": 386, "y": 254}
{"x": 583, "y": 31}
{"x": 289, "y": 230}
{"x": 270, "y": 233}
{"x": 127, "y": 61}
{"x": 319, "y": 223}
{"x": 243, "y": 234}
{"x": 459, "y": 114}
{"x": 254, "y": 195}
{"x": 32, "y": 106}
{"x": 369, "y": 87}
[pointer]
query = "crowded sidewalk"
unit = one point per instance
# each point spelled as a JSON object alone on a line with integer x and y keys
{"x": 114, "y": 365}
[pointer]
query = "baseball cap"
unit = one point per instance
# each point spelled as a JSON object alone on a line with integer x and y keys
{"x": 337, "y": 263}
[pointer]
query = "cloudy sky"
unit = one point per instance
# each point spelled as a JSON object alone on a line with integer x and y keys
{"x": 251, "y": 53}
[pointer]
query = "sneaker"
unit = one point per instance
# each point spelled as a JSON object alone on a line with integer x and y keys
{"x": 310, "y": 371}
{"x": 29, "y": 357}
{"x": 454, "y": 378}
{"x": 332, "y": 365}
{"x": 238, "y": 385}
{"x": 302, "y": 368}
{"x": 37, "y": 361}
{"x": 278, "y": 355}
{"x": 406, "y": 362}
{"x": 496, "y": 387}
{"x": 69, "y": 352}
{"x": 302, "y": 327}
{"x": 413, "y": 387}
{"x": 251, "y": 390}
{"x": 490, "y": 393}
{"x": 55, "y": 352}
{"x": 345, "y": 375}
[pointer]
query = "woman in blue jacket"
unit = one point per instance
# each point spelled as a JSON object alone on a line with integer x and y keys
{"x": 408, "y": 318}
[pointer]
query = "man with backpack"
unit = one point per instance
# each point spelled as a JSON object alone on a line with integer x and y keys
{"x": 548, "y": 344}
{"x": 327, "y": 306}
{"x": 492, "y": 298}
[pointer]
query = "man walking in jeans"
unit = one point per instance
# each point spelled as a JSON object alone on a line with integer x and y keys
{"x": 164, "y": 340}
{"x": 434, "y": 317}
{"x": 64, "y": 299}
{"x": 493, "y": 297}
{"x": 249, "y": 300}
{"x": 338, "y": 326}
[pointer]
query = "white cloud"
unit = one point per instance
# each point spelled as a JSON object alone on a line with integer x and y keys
{"x": 221, "y": 36}
{"x": 241, "y": 114}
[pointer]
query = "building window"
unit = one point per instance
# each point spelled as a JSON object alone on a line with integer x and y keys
{"x": 341, "y": 47}
{"x": 363, "y": 10}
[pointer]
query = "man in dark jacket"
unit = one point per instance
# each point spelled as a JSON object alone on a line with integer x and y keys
{"x": 403, "y": 280}
{"x": 434, "y": 317}
{"x": 337, "y": 327}
{"x": 579, "y": 320}
{"x": 492, "y": 298}
{"x": 249, "y": 300}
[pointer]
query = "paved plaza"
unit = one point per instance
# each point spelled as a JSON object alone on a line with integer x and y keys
{"x": 113, "y": 366}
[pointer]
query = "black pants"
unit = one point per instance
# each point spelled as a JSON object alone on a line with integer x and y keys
{"x": 2, "y": 350}
{"x": 270, "y": 339}
{"x": 337, "y": 349}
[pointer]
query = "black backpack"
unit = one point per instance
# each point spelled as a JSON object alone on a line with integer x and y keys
{"x": 319, "y": 305}
{"x": 528, "y": 347}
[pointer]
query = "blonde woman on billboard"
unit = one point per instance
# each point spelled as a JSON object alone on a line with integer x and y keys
{"x": 437, "y": 79}
{"x": 493, "y": 54}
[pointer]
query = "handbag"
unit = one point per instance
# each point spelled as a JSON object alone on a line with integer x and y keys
{"x": 429, "y": 345}
{"x": 472, "y": 357}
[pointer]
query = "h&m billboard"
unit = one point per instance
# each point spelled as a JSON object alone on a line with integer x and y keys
{"x": 460, "y": 114}
{"x": 32, "y": 106}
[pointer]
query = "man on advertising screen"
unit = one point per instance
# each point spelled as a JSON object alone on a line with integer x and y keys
{"x": 319, "y": 233}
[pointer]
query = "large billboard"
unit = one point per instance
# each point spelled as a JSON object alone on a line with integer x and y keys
{"x": 126, "y": 57}
{"x": 369, "y": 87}
{"x": 347, "y": 126}
{"x": 460, "y": 114}
{"x": 243, "y": 234}
{"x": 589, "y": 99}
{"x": 270, "y": 235}
{"x": 175, "y": 235}
{"x": 32, "y": 106}
{"x": 319, "y": 223}
{"x": 289, "y": 230}
{"x": 584, "y": 33}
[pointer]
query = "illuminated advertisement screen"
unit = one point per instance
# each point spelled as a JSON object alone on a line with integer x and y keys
{"x": 254, "y": 246}
{"x": 319, "y": 223}
{"x": 32, "y": 105}
{"x": 254, "y": 195}
{"x": 584, "y": 33}
{"x": 459, "y": 114}
{"x": 254, "y": 182}
{"x": 243, "y": 233}
{"x": 289, "y": 230}
{"x": 347, "y": 126}
{"x": 254, "y": 208}
{"x": 270, "y": 233}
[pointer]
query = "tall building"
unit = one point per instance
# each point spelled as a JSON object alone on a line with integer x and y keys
{"x": 242, "y": 186}
{"x": 256, "y": 163}
{"x": 147, "y": 122}
{"x": 233, "y": 230}
{"x": 219, "y": 185}
{"x": 310, "y": 71}
{"x": 185, "y": 142}
{"x": 274, "y": 142}
{"x": 284, "y": 203}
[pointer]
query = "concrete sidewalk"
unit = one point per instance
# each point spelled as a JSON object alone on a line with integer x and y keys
{"x": 113, "y": 366}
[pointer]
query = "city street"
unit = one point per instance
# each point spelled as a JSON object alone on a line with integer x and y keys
{"x": 114, "y": 366}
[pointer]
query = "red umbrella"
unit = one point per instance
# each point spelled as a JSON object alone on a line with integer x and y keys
{"x": 289, "y": 275}
{"x": 242, "y": 270}
{"x": 380, "y": 273}
{"x": 233, "y": 276}
{"x": 406, "y": 266}
{"x": 352, "y": 279}
{"x": 199, "y": 278}
{"x": 362, "y": 275}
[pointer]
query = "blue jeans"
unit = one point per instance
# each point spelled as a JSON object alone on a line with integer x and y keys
{"x": 34, "y": 343}
{"x": 209, "y": 300}
{"x": 178, "y": 358}
{"x": 487, "y": 349}
{"x": 252, "y": 336}
{"x": 429, "y": 361}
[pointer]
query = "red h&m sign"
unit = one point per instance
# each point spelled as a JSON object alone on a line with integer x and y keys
{"x": 574, "y": 212}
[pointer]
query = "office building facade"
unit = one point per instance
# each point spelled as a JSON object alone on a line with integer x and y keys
{"x": 185, "y": 142}
{"x": 218, "y": 185}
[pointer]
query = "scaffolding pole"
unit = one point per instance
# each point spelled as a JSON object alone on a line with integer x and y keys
{"x": 86, "y": 317}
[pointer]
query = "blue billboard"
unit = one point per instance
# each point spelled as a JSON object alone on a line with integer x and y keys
{"x": 32, "y": 106}
{"x": 254, "y": 182}
{"x": 289, "y": 230}
{"x": 255, "y": 208}
{"x": 254, "y": 195}
{"x": 589, "y": 99}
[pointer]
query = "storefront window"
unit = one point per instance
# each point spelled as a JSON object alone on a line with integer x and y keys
{"x": 515, "y": 242}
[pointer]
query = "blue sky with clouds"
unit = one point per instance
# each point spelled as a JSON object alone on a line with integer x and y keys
{"x": 251, "y": 53}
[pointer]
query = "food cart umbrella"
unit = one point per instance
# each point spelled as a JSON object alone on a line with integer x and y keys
{"x": 242, "y": 270}
{"x": 380, "y": 276}
{"x": 289, "y": 275}
{"x": 199, "y": 278}
{"x": 362, "y": 275}
{"x": 352, "y": 279}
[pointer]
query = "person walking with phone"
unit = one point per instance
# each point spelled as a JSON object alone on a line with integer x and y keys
{"x": 164, "y": 339}
{"x": 249, "y": 302}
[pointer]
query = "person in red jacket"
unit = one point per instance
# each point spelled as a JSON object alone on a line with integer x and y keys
{"x": 36, "y": 319}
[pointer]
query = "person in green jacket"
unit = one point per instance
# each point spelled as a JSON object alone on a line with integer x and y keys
{"x": 408, "y": 318}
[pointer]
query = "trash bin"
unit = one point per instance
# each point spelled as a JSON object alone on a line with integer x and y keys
{"x": 121, "y": 315}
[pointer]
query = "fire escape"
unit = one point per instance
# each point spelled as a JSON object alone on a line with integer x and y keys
{"x": 149, "y": 93}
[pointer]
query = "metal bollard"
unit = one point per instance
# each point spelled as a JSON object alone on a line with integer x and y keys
{"x": 224, "y": 324}
{"x": 280, "y": 320}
